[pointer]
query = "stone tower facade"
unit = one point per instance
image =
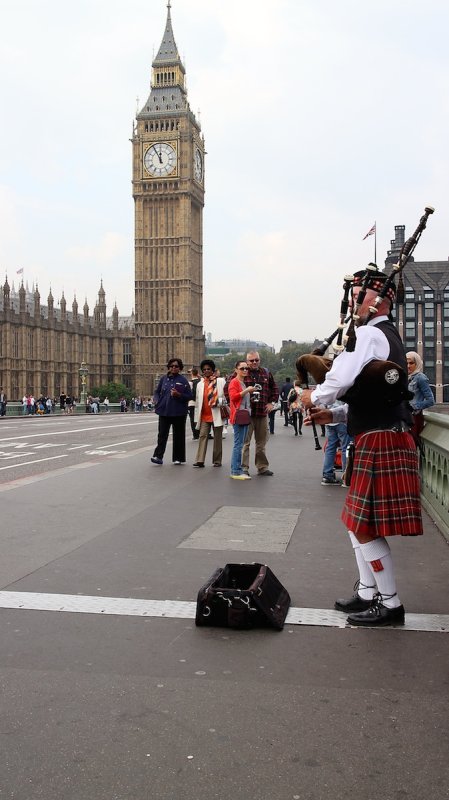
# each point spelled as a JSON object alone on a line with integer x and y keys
{"x": 168, "y": 190}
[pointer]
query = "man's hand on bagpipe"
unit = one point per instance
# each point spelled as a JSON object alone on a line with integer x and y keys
{"x": 320, "y": 416}
{"x": 305, "y": 398}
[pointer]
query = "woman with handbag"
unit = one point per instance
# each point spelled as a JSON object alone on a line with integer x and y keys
{"x": 240, "y": 418}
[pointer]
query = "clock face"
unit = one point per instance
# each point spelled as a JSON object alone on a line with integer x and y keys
{"x": 160, "y": 160}
{"x": 198, "y": 166}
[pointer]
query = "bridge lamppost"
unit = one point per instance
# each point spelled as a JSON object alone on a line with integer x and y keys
{"x": 441, "y": 386}
{"x": 83, "y": 371}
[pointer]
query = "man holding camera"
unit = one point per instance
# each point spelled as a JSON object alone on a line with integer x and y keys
{"x": 262, "y": 399}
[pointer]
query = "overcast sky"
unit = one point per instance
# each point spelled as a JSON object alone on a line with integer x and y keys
{"x": 320, "y": 118}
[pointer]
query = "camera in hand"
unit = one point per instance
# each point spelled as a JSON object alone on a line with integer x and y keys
{"x": 255, "y": 397}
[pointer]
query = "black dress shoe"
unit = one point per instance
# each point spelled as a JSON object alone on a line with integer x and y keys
{"x": 378, "y": 615}
{"x": 198, "y": 464}
{"x": 355, "y": 603}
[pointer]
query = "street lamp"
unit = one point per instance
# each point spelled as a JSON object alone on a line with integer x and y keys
{"x": 83, "y": 371}
{"x": 438, "y": 386}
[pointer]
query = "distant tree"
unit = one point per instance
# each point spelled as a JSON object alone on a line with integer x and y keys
{"x": 268, "y": 359}
{"x": 226, "y": 365}
{"x": 287, "y": 358}
{"x": 281, "y": 364}
{"x": 114, "y": 391}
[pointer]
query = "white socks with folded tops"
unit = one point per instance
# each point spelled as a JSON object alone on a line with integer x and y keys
{"x": 367, "y": 587}
{"x": 375, "y": 569}
{"x": 377, "y": 555}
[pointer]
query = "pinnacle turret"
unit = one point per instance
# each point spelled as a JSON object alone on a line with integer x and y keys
{"x": 168, "y": 52}
{"x": 168, "y": 90}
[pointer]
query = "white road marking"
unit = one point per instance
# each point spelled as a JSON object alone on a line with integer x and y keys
{"x": 116, "y": 444}
{"x": 133, "y": 607}
{"x": 66, "y": 432}
{"x": 4, "y": 457}
{"x": 38, "y": 461}
{"x": 17, "y": 483}
{"x": 49, "y": 444}
{"x": 103, "y": 452}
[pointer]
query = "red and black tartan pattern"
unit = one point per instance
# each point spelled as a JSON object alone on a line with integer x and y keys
{"x": 384, "y": 496}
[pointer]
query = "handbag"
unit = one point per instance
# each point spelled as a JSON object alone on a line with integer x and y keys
{"x": 242, "y": 417}
{"x": 242, "y": 596}
{"x": 224, "y": 411}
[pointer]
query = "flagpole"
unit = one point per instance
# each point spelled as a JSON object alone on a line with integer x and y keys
{"x": 375, "y": 242}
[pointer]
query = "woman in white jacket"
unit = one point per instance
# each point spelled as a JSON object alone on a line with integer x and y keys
{"x": 208, "y": 402}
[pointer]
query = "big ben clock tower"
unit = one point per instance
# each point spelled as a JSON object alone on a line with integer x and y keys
{"x": 168, "y": 191}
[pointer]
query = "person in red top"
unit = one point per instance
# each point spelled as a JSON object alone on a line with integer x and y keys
{"x": 239, "y": 395}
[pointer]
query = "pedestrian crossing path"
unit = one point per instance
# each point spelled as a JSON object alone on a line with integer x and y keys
{"x": 172, "y": 609}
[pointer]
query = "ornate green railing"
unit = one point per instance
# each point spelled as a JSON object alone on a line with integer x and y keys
{"x": 435, "y": 469}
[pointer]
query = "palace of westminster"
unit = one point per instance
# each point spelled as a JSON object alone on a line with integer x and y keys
{"x": 43, "y": 348}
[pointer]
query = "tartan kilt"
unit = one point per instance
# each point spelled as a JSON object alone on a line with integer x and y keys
{"x": 384, "y": 495}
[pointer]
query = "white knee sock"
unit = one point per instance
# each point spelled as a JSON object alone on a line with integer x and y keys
{"x": 367, "y": 586}
{"x": 377, "y": 555}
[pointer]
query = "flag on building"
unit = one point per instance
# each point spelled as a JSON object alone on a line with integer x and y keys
{"x": 370, "y": 232}
{"x": 19, "y": 271}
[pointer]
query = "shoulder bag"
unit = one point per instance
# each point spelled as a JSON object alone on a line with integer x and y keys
{"x": 242, "y": 417}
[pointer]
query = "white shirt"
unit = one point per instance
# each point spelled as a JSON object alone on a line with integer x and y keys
{"x": 371, "y": 344}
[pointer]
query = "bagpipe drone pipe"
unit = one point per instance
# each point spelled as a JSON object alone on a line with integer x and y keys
{"x": 379, "y": 381}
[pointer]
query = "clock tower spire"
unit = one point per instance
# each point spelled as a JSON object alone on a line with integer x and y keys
{"x": 168, "y": 191}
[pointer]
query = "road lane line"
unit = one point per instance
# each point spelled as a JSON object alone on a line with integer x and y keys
{"x": 16, "y": 455}
{"x": 174, "y": 609}
{"x": 27, "y": 463}
{"x": 116, "y": 444}
{"x": 77, "y": 430}
{"x": 18, "y": 483}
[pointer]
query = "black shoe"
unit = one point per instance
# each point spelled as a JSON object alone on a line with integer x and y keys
{"x": 198, "y": 464}
{"x": 378, "y": 614}
{"x": 355, "y": 603}
{"x": 266, "y": 472}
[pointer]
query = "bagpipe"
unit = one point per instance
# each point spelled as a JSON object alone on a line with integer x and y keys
{"x": 379, "y": 381}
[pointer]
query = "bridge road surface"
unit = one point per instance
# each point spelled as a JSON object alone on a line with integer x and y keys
{"x": 105, "y": 701}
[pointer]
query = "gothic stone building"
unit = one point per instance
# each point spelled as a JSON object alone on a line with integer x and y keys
{"x": 41, "y": 348}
